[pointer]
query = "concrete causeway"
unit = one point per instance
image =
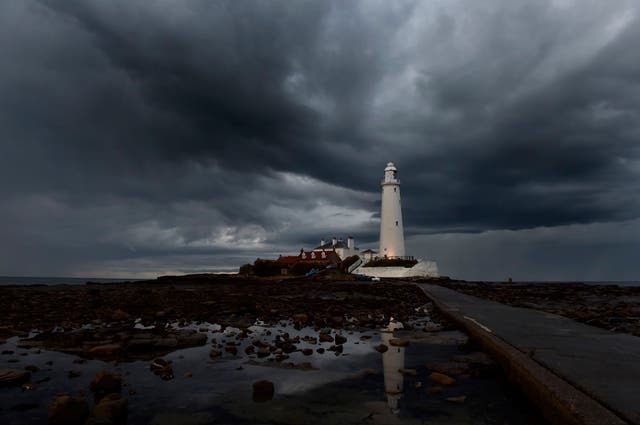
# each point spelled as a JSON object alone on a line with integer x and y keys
{"x": 575, "y": 373}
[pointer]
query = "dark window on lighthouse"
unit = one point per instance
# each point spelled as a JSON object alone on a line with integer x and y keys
{"x": 396, "y": 223}
{"x": 394, "y": 189}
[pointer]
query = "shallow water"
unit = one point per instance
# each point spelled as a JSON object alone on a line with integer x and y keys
{"x": 336, "y": 391}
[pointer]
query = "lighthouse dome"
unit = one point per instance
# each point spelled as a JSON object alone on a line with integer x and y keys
{"x": 390, "y": 167}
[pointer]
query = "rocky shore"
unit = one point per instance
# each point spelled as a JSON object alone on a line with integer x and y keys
{"x": 129, "y": 321}
{"x": 612, "y": 307}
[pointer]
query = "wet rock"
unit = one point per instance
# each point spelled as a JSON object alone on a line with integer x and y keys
{"x": 263, "y": 390}
{"x": 28, "y": 386}
{"x": 365, "y": 337}
{"x": 448, "y": 368}
{"x": 337, "y": 321}
{"x": 370, "y": 372}
{"x": 31, "y": 368}
{"x": 280, "y": 357}
{"x": 120, "y": 315}
{"x": 215, "y": 354}
{"x": 107, "y": 351}
{"x": 432, "y": 327}
{"x": 336, "y": 349}
{"x": 399, "y": 342}
{"x": 74, "y": 374}
{"x": 112, "y": 408}
{"x": 162, "y": 368}
{"x": 250, "y": 349}
{"x": 191, "y": 339}
{"x": 408, "y": 372}
{"x": 231, "y": 349}
{"x": 307, "y": 351}
{"x": 382, "y": 348}
{"x": 441, "y": 378}
{"x": 458, "y": 399}
{"x": 340, "y": 339}
{"x": 435, "y": 390}
{"x": 10, "y": 377}
{"x": 320, "y": 350}
{"x": 106, "y": 382}
{"x": 263, "y": 352}
{"x": 188, "y": 374}
{"x": 300, "y": 318}
{"x": 288, "y": 347}
{"x": 163, "y": 343}
{"x": 67, "y": 410}
{"x": 310, "y": 340}
{"x": 7, "y": 352}
{"x": 325, "y": 338}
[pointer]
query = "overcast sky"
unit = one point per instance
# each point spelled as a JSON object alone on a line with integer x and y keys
{"x": 140, "y": 138}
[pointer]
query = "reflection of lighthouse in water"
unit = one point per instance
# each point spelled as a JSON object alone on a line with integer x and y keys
{"x": 392, "y": 363}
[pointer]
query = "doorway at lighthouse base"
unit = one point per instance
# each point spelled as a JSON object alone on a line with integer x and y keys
{"x": 423, "y": 268}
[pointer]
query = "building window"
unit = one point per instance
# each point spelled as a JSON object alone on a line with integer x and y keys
{"x": 394, "y": 189}
{"x": 396, "y": 223}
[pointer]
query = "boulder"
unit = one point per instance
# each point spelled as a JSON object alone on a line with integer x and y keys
{"x": 106, "y": 382}
{"x": 112, "y": 408}
{"x": 382, "y": 348}
{"x": 340, "y": 339}
{"x": 325, "y": 337}
{"x": 307, "y": 351}
{"x": 263, "y": 390}
{"x": 398, "y": 342}
{"x": 67, "y": 410}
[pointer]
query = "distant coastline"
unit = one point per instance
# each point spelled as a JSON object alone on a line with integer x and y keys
{"x": 43, "y": 280}
{"x": 40, "y": 280}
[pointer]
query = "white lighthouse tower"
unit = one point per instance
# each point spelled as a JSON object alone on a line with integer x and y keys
{"x": 391, "y": 230}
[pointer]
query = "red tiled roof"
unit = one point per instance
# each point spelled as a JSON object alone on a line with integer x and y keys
{"x": 288, "y": 259}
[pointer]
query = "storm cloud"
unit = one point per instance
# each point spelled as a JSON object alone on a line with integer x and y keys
{"x": 140, "y": 138}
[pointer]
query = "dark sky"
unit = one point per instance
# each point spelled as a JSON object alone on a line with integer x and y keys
{"x": 151, "y": 137}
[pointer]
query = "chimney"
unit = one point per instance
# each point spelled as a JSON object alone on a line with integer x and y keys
{"x": 350, "y": 243}
{"x": 334, "y": 241}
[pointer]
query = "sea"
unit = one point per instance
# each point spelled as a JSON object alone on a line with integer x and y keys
{"x": 43, "y": 280}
